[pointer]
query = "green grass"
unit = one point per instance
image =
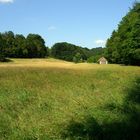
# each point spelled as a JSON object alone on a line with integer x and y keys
{"x": 48, "y": 99}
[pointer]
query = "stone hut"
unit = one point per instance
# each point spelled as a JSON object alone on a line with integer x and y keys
{"x": 102, "y": 60}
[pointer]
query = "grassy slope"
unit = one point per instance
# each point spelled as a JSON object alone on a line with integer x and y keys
{"x": 52, "y": 99}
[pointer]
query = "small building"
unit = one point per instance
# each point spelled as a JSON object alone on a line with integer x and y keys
{"x": 102, "y": 60}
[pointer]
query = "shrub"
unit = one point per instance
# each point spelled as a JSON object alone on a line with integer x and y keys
{"x": 77, "y": 58}
{"x": 2, "y": 58}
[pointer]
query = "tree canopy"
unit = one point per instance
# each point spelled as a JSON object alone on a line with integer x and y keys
{"x": 67, "y": 51}
{"x": 17, "y": 46}
{"x": 33, "y": 46}
{"x": 123, "y": 46}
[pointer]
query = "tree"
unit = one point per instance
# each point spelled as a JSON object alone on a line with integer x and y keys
{"x": 17, "y": 46}
{"x": 77, "y": 58}
{"x": 20, "y": 46}
{"x": 94, "y": 59}
{"x": 124, "y": 43}
{"x": 66, "y": 51}
{"x": 2, "y": 53}
{"x": 9, "y": 39}
{"x": 35, "y": 46}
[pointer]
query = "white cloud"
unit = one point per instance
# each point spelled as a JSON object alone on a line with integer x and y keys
{"x": 100, "y": 42}
{"x": 6, "y": 1}
{"x": 50, "y": 28}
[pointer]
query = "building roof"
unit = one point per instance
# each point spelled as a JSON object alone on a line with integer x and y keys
{"x": 102, "y": 59}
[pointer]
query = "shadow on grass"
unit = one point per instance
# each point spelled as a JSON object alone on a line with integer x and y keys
{"x": 5, "y": 60}
{"x": 125, "y": 129}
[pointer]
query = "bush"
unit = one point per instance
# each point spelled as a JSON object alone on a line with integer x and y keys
{"x": 2, "y": 58}
{"x": 93, "y": 59}
{"x": 77, "y": 58}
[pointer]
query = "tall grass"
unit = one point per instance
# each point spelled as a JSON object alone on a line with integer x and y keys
{"x": 48, "y": 99}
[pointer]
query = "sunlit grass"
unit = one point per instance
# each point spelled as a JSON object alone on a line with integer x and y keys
{"x": 39, "y": 97}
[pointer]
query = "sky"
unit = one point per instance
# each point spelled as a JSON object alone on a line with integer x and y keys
{"x": 86, "y": 23}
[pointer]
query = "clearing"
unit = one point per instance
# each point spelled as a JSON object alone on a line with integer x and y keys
{"x": 48, "y": 99}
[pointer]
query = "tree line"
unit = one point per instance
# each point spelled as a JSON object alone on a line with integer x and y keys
{"x": 123, "y": 47}
{"x": 33, "y": 46}
{"x": 71, "y": 52}
{"x": 17, "y": 46}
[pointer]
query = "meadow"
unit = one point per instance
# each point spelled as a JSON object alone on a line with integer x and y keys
{"x": 48, "y": 99}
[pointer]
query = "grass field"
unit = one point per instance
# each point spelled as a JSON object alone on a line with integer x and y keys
{"x": 47, "y": 99}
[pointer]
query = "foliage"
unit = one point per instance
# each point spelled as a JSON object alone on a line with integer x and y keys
{"x": 2, "y": 58}
{"x": 33, "y": 46}
{"x": 17, "y": 46}
{"x": 36, "y": 46}
{"x": 95, "y": 54}
{"x": 77, "y": 58}
{"x": 91, "y": 59}
{"x": 67, "y": 51}
{"x": 2, "y": 44}
{"x": 124, "y": 44}
{"x": 94, "y": 59}
{"x": 97, "y": 51}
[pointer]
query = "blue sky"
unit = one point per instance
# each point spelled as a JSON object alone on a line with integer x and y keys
{"x": 87, "y": 23}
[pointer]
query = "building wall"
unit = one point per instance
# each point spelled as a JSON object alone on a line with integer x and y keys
{"x": 103, "y": 62}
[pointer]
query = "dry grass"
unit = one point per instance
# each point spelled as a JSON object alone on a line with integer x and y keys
{"x": 54, "y": 63}
{"x": 40, "y": 97}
